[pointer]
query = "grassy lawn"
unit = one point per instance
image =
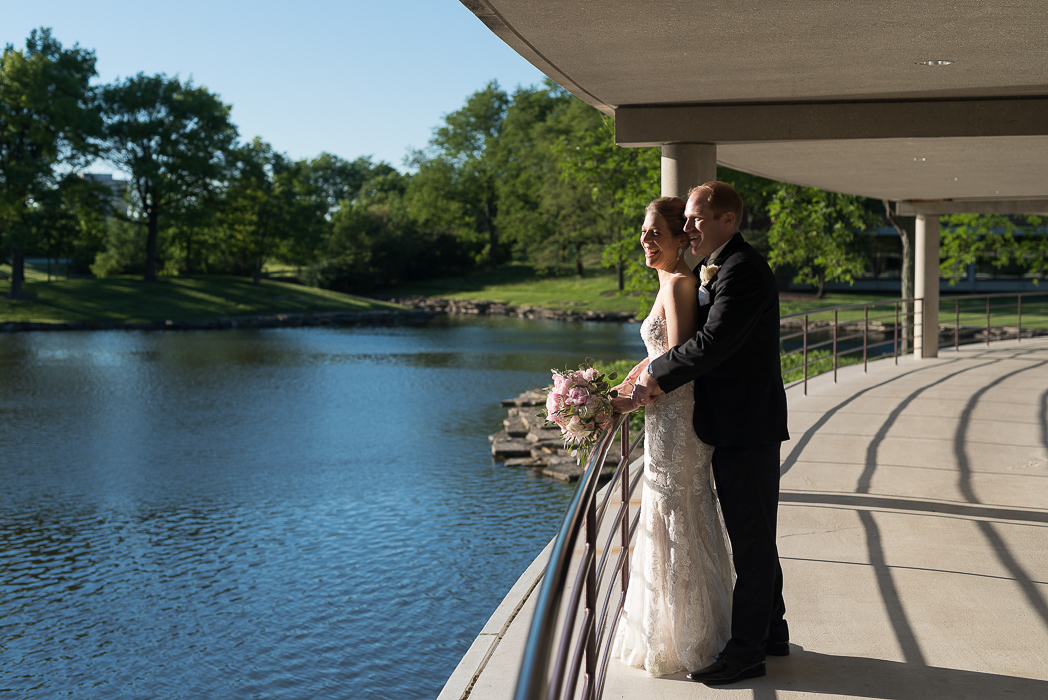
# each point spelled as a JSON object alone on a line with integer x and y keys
{"x": 203, "y": 297}
{"x": 522, "y": 285}
{"x": 1003, "y": 312}
{"x": 796, "y": 303}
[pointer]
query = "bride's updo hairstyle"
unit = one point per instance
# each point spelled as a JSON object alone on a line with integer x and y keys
{"x": 671, "y": 209}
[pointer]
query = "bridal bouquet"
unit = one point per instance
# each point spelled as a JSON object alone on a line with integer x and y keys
{"x": 579, "y": 402}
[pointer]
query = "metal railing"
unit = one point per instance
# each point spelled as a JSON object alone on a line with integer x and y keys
{"x": 583, "y": 641}
{"x": 973, "y": 316}
{"x": 825, "y": 338}
{"x": 822, "y": 340}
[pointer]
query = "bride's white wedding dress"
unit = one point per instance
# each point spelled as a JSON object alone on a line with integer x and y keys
{"x": 678, "y": 606}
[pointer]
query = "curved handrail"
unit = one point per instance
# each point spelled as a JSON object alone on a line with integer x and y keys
{"x": 537, "y": 681}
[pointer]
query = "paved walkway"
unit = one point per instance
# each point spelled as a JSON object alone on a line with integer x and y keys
{"x": 913, "y": 532}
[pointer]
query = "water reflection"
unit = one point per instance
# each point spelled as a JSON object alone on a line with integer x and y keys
{"x": 265, "y": 513}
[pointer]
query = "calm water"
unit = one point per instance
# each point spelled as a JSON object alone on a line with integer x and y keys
{"x": 296, "y": 513}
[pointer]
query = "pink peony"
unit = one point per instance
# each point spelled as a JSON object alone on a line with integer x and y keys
{"x": 590, "y": 374}
{"x": 554, "y": 402}
{"x": 561, "y": 383}
{"x": 578, "y": 396}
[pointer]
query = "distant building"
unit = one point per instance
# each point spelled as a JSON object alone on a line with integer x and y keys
{"x": 118, "y": 187}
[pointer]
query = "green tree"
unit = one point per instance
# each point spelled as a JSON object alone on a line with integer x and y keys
{"x": 620, "y": 181}
{"x": 375, "y": 241}
{"x": 533, "y": 199}
{"x": 48, "y": 126}
{"x": 270, "y": 209}
{"x": 337, "y": 180}
{"x": 1001, "y": 240}
{"x": 68, "y": 217}
{"x": 812, "y": 231}
{"x": 456, "y": 187}
{"x": 172, "y": 140}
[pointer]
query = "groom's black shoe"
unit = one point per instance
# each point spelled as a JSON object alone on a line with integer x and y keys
{"x": 726, "y": 670}
{"x": 778, "y": 648}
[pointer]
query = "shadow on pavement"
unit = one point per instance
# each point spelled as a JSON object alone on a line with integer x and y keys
{"x": 850, "y": 676}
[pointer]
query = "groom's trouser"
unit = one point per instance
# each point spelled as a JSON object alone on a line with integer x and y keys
{"x": 748, "y": 488}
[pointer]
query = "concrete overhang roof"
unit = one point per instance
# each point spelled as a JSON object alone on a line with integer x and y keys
{"x": 827, "y": 94}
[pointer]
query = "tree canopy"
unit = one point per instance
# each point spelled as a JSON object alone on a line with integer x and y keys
{"x": 48, "y": 125}
{"x": 532, "y": 176}
{"x": 172, "y": 140}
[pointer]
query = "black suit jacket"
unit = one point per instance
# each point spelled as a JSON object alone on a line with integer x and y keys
{"x": 734, "y": 358}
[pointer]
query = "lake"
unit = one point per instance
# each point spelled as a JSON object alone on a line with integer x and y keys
{"x": 285, "y": 513}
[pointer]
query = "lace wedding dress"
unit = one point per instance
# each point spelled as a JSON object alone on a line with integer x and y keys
{"x": 678, "y": 606}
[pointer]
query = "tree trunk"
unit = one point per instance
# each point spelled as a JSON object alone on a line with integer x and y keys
{"x": 821, "y": 292}
{"x": 256, "y": 274}
{"x": 907, "y": 274}
{"x": 17, "y": 274}
{"x": 578, "y": 260}
{"x": 189, "y": 253}
{"x": 493, "y": 244}
{"x": 620, "y": 270}
{"x": 151, "y": 236}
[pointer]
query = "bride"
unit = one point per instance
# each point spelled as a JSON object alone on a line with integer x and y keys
{"x": 677, "y": 614}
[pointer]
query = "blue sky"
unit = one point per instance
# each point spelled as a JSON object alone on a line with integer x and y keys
{"x": 353, "y": 78}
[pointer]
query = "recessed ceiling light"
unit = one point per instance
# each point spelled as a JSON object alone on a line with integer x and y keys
{"x": 934, "y": 63}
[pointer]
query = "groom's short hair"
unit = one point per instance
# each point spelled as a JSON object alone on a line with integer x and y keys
{"x": 721, "y": 197}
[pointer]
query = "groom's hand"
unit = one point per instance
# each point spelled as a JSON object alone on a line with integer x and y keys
{"x": 647, "y": 389}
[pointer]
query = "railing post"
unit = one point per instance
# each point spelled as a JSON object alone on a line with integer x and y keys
{"x": 625, "y": 442}
{"x": 865, "y": 334}
{"x": 987, "y": 320}
{"x": 835, "y": 346}
{"x": 804, "y": 353}
{"x": 591, "y": 602}
{"x": 957, "y": 325}
{"x": 1020, "y": 312}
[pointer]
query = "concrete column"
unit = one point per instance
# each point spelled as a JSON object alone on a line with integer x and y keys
{"x": 926, "y": 285}
{"x": 685, "y": 165}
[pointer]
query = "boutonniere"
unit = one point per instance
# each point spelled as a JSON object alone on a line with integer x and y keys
{"x": 706, "y": 273}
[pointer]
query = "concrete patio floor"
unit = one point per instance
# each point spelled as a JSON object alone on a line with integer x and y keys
{"x": 913, "y": 533}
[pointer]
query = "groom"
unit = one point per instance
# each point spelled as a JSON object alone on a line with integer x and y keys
{"x": 740, "y": 408}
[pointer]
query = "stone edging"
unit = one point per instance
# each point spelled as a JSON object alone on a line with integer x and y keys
{"x": 333, "y": 319}
{"x": 476, "y": 307}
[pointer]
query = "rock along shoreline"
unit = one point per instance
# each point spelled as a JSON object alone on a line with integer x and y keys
{"x": 474, "y": 307}
{"x": 527, "y": 441}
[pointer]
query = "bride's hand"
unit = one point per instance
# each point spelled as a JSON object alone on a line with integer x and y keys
{"x": 623, "y": 403}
